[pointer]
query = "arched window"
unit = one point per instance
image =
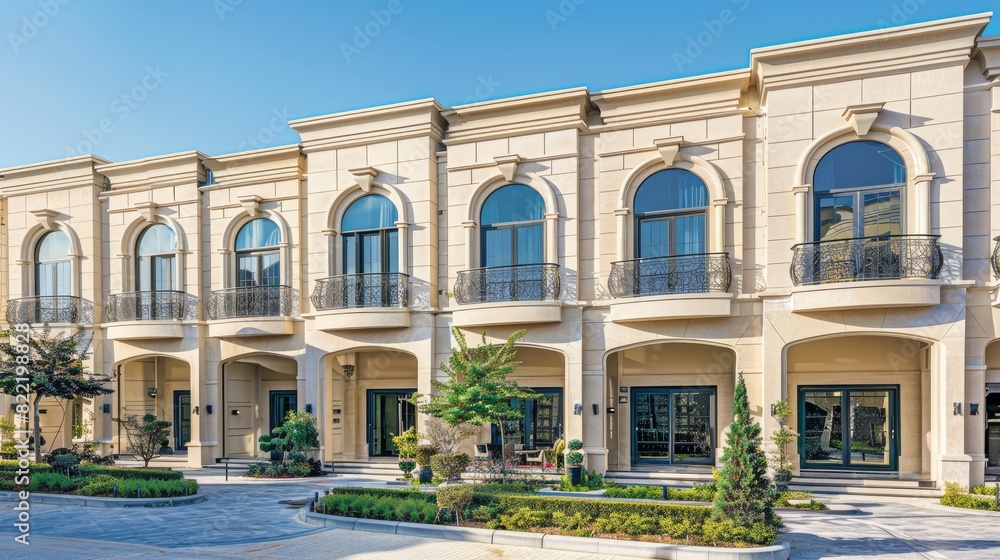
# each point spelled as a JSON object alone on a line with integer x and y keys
{"x": 53, "y": 267}
{"x": 370, "y": 237}
{"x": 511, "y": 223}
{"x": 670, "y": 215}
{"x": 857, "y": 189}
{"x": 258, "y": 260}
{"x": 156, "y": 259}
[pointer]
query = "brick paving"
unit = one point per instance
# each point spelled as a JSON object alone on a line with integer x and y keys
{"x": 244, "y": 519}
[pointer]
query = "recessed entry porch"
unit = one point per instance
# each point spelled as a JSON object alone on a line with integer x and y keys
{"x": 257, "y": 392}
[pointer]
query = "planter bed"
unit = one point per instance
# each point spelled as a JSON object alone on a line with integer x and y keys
{"x": 545, "y": 541}
{"x": 90, "y": 480}
{"x": 103, "y": 501}
{"x": 495, "y": 509}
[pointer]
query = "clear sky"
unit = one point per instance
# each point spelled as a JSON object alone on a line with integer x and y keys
{"x": 126, "y": 80}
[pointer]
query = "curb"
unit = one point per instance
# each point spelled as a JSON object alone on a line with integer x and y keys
{"x": 103, "y": 501}
{"x": 636, "y": 549}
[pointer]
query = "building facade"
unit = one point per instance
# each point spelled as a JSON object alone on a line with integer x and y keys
{"x": 820, "y": 223}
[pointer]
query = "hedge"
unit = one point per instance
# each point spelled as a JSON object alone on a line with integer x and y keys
{"x": 603, "y": 508}
{"x": 9, "y": 468}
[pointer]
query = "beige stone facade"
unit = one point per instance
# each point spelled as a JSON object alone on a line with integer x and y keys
{"x": 890, "y": 363}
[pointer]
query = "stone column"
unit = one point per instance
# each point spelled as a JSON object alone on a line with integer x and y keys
{"x": 975, "y": 426}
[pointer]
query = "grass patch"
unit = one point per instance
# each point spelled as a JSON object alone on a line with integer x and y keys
{"x": 784, "y": 497}
{"x": 93, "y": 480}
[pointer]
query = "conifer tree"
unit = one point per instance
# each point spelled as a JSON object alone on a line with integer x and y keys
{"x": 51, "y": 366}
{"x": 745, "y": 495}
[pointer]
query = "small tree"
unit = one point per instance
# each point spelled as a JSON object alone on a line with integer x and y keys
{"x": 446, "y": 437}
{"x": 782, "y": 438}
{"x": 298, "y": 432}
{"x": 477, "y": 391}
{"x": 53, "y": 366}
{"x": 745, "y": 495}
{"x": 145, "y": 437}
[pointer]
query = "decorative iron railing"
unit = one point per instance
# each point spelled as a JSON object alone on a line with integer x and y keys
{"x": 160, "y": 305}
{"x": 682, "y": 274}
{"x": 373, "y": 289}
{"x": 522, "y": 282}
{"x": 47, "y": 309}
{"x": 866, "y": 258}
{"x": 250, "y": 301}
{"x": 995, "y": 260}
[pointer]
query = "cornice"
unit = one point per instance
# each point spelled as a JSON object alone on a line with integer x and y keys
{"x": 515, "y": 116}
{"x": 988, "y": 55}
{"x": 254, "y": 167}
{"x": 886, "y": 51}
{"x": 166, "y": 170}
{"x": 412, "y": 119}
{"x": 673, "y": 100}
{"x": 52, "y": 175}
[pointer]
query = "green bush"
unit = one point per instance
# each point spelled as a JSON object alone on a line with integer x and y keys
{"x": 956, "y": 496}
{"x": 524, "y": 519}
{"x": 571, "y": 522}
{"x": 783, "y": 498}
{"x": 589, "y": 480}
{"x": 53, "y": 482}
{"x": 603, "y": 508}
{"x": 403, "y": 507}
{"x": 697, "y": 493}
{"x": 425, "y": 455}
{"x": 680, "y": 528}
{"x": 983, "y": 490}
{"x": 450, "y": 466}
{"x": 630, "y": 524}
{"x": 141, "y": 474}
{"x": 635, "y": 492}
{"x": 456, "y": 497}
{"x": 727, "y": 532}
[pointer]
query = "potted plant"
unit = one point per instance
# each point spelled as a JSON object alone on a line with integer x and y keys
{"x": 574, "y": 462}
{"x": 782, "y": 437}
{"x": 274, "y": 445}
{"x": 406, "y": 447}
{"x": 407, "y": 466}
{"x": 423, "y": 457}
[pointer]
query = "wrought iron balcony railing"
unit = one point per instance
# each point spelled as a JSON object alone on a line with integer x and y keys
{"x": 160, "y": 305}
{"x": 523, "y": 282}
{"x": 866, "y": 258}
{"x": 682, "y": 274}
{"x": 48, "y": 309}
{"x": 250, "y": 301}
{"x": 373, "y": 289}
{"x": 995, "y": 260}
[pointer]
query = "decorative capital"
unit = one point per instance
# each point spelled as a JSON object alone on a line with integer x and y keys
{"x": 508, "y": 165}
{"x": 47, "y": 218}
{"x": 469, "y": 224}
{"x": 402, "y": 225}
{"x": 800, "y": 189}
{"x": 364, "y": 177}
{"x": 621, "y": 211}
{"x": 861, "y": 117}
{"x": 923, "y": 177}
{"x": 250, "y": 203}
{"x": 720, "y": 202}
{"x": 668, "y": 148}
{"x": 147, "y": 210}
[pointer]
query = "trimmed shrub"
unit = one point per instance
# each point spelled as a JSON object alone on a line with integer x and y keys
{"x": 727, "y": 532}
{"x": 635, "y": 492}
{"x": 630, "y": 524}
{"x": 955, "y": 496}
{"x": 449, "y": 467}
{"x": 524, "y": 519}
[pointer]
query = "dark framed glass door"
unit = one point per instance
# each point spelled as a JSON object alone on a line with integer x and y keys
{"x": 993, "y": 425}
{"x": 673, "y": 425}
{"x": 849, "y": 427}
{"x": 541, "y": 424}
{"x": 182, "y": 419}
{"x": 281, "y": 403}
{"x": 389, "y": 414}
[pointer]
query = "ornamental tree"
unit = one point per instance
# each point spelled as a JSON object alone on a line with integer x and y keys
{"x": 745, "y": 494}
{"x": 145, "y": 437}
{"x": 38, "y": 364}
{"x": 477, "y": 391}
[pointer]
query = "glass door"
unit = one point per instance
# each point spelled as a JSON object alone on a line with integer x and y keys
{"x": 993, "y": 426}
{"x": 182, "y": 419}
{"x": 389, "y": 414}
{"x": 540, "y": 425}
{"x": 673, "y": 425}
{"x": 282, "y": 402}
{"x": 849, "y": 427}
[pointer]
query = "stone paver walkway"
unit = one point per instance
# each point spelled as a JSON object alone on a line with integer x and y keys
{"x": 244, "y": 519}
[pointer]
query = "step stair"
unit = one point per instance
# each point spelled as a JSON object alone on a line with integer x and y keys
{"x": 367, "y": 468}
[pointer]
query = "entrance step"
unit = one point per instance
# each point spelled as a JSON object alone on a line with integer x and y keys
{"x": 169, "y": 462}
{"x": 868, "y": 486}
{"x": 367, "y": 468}
{"x": 668, "y": 478}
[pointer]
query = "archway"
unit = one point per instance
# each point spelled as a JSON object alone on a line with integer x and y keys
{"x": 161, "y": 386}
{"x": 860, "y": 403}
{"x": 670, "y": 399}
{"x": 258, "y": 390}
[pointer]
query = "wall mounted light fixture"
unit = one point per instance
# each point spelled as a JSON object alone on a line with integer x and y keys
{"x": 208, "y": 408}
{"x": 106, "y": 408}
{"x": 956, "y": 408}
{"x": 973, "y": 409}
{"x": 309, "y": 408}
{"x": 151, "y": 392}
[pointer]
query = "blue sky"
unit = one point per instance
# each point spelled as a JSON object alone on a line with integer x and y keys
{"x": 126, "y": 80}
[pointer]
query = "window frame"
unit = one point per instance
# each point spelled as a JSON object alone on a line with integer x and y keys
{"x": 512, "y": 227}
{"x": 152, "y": 259}
{"x": 670, "y": 214}
{"x": 258, "y": 254}
{"x": 54, "y": 264}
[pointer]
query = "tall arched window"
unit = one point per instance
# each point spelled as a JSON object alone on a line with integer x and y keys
{"x": 511, "y": 226}
{"x": 857, "y": 189}
{"x": 670, "y": 215}
{"x": 53, "y": 266}
{"x": 156, "y": 261}
{"x": 370, "y": 237}
{"x": 258, "y": 257}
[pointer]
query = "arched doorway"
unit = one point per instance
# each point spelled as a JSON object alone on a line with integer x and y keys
{"x": 860, "y": 403}
{"x": 257, "y": 392}
{"x": 542, "y": 420}
{"x": 668, "y": 399}
{"x": 991, "y": 412}
{"x": 161, "y": 386}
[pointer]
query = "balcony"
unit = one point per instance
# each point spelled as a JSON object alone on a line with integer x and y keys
{"x": 51, "y": 310}
{"x": 362, "y": 301}
{"x": 504, "y": 295}
{"x": 146, "y": 315}
{"x": 677, "y": 287}
{"x": 270, "y": 307}
{"x": 867, "y": 272}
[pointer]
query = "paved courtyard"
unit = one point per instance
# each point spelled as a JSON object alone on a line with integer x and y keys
{"x": 245, "y": 519}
